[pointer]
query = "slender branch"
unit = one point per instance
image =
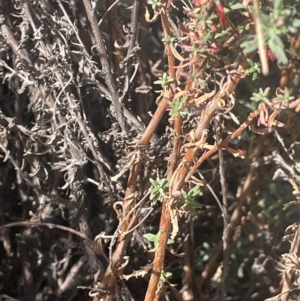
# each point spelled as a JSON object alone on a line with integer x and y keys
{"x": 108, "y": 281}
{"x": 178, "y": 177}
{"x": 165, "y": 222}
{"x": 225, "y": 223}
{"x": 74, "y": 29}
{"x": 105, "y": 64}
{"x": 246, "y": 195}
{"x": 223, "y": 143}
{"x": 116, "y": 260}
{"x": 49, "y": 225}
{"x": 260, "y": 38}
{"x": 131, "y": 46}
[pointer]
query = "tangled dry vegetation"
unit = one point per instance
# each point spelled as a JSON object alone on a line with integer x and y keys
{"x": 149, "y": 151}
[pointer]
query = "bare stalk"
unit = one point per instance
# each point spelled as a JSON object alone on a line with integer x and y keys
{"x": 106, "y": 68}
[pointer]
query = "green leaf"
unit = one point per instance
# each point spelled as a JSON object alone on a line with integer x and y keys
{"x": 249, "y": 46}
{"x": 151, "y": 237}
{"x": 237, "y": 6}
{"x": 169, "y": 39}
{"x": 265, "y": 19}
{"x": 278, "y": 52}
{"x": 261, "y": 96}
{"x": 277, "y": 5}
{"x": 222, "y": 33}
{"x": 205, "y": 257}
{"x": 275, "y": 38}
{"x": 261, "y": 203}
{"x": 188, "y": 200}
{"x": 177, "y": 107}
{"x": 154, "y": 3}
{"x": 159, "y": 189}
{"x": 165, "y": 275}
{"x": 254, "y": 69}
{"x": 206, "y": 245}
{"x": 240, "y": 272}
{"x": 170, "y": 241}
{"x": 296, "y": 23}
{"x": 164, "y": 80}
{"x": 155, "y": 238}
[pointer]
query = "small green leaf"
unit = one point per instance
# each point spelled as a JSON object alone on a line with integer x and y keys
{"x": 151, "y": 237}
{"x": 277, "y": 5}
{"x": 205, "y": 257}
{"x": 165, "y": 275}
{"x": 154, "y": 3}
{"x": 188, "y": 201}
{"x": 223, "y": 33}
{"x": 254, "y": 69}
{"x": 249, "y": 46}
{"x": 296, "y": 23}
{"x": 278, "y": 52}
{"x": 240, "y": 272}
{"x": 159, "y": 189}
{"x": 169, "y": 39}
{"x": 237, "y": 6}
{"x": 164, "y": 80}
{"x": 155, "y": 238}
{"x": 177, "y": 107}
{"x": 261, "y": 203}
{"x": 275, "y": 38}
{"x": 261, "y": 96}
{"x": 170, "y": 241}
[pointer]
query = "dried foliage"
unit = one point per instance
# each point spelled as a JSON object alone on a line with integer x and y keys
{"x": 143, "y": 155}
